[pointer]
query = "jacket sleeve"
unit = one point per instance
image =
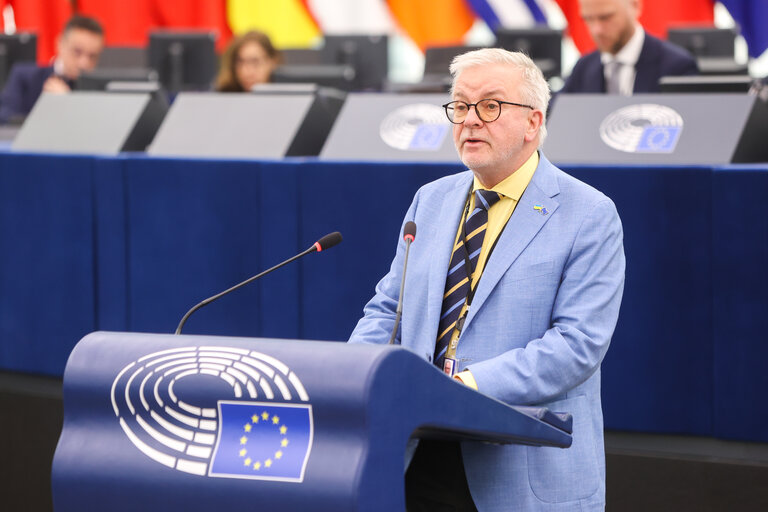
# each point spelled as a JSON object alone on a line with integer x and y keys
{"x": 11, "y": 99}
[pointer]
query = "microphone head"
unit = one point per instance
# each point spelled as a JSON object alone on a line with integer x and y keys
{"x": 409, "y": 231}
{"x": 328, "y": 241}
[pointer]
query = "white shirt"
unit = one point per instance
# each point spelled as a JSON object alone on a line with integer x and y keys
{"x": 626, "y": 58}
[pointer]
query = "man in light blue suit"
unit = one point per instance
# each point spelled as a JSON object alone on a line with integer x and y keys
{"x": 513, "y": 287}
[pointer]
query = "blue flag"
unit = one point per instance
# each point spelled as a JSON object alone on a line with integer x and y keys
{"x": 751, "y": 15}
{"x": 263, "y": 441}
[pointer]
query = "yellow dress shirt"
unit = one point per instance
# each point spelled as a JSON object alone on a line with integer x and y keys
{"x": 511, "y": 189}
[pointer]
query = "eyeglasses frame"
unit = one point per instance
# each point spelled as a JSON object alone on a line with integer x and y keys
{"x": 469, "y": 105}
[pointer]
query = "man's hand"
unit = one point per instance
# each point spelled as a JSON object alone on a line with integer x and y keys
{"x": 56, "y": 85}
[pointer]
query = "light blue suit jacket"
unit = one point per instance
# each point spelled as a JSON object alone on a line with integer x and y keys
{"x": 539, "y": 326}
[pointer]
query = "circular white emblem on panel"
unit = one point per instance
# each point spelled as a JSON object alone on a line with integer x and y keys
{"x": 415, "y": 127}
{"x": 642, "y": 128}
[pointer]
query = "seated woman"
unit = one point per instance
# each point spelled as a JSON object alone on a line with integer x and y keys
{"x": 248, "y": 60}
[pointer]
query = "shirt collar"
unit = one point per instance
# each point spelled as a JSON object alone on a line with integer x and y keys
{"x": 630, "y": 52}
{"x": 58, "y": 67}
{"x": 515, "y": 184}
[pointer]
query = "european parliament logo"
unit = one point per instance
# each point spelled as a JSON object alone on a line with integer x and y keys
{"x": 216, "y": 411}
{"x": 642, "y": 128}
{"x": 415, "y": 127}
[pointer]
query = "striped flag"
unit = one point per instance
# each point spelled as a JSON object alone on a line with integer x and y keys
{"x": 288, "y": 23}
{"x": 508, "y": 13}
{"x": 752, "y": 16}
{"x": 351, "y": 16}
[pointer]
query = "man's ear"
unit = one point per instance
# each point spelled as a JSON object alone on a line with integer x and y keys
{"x": 535, "y": 120}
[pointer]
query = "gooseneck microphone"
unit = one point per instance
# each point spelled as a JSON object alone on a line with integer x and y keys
{"x": 409, "y": 235}
{"x": 324, "y": 243}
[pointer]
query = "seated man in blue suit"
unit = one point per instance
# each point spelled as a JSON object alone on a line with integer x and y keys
{"x": 78, "y": 49}
{"x": 513, "y": 287}
{"x": 627, "y": 60}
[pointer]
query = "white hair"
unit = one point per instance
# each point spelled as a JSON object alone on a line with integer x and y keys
{"x": 534, "y": 90}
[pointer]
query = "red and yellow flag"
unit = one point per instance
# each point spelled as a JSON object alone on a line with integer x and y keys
{"x": 288, "y": 23}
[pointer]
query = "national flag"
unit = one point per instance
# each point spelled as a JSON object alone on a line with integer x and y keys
{"x": 288, "y": 23}
{"x": 263, "y": 441}
{"x": 129, "y": 23}
{"x": 125, "y": 23}
{"x": 508, "y": 13}
{"x": 44, "y": 17}
{"x": 433, "y": 22}
{"x": 351, "y": 16}
{"x": 752, "y": 17}
{"x": 656, "y": 16}
{"x": 194, "y": 14}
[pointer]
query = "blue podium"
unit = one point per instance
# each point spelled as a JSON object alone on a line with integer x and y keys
{"x": 164, "y": 422}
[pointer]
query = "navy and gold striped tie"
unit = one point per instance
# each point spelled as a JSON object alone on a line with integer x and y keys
{"x": 457, "y": 284}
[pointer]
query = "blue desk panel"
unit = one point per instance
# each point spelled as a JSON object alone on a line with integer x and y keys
{"x": 740, "y": 280}
{"x": 659, "y": 366}
{"x": 47, "y": 258}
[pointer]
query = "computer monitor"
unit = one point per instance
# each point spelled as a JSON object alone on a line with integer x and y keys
{"x": 15, "y": 48}
{"x": 705, "y": 41}
{"x": 706, "y": 83}
{"x": 100, "y": 78}
{"x": 123, "y": 57}
{"x": 437, "y": 59}
{"x": 542, "y": 44}
{"x": 338, "y": 76}
{"x": 185, "y": 61}
{"x": 300, "y": 56}
{"x": 368, "y": 55}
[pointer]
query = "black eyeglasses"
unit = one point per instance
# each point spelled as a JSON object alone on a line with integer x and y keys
{"x": 487, "y": 110}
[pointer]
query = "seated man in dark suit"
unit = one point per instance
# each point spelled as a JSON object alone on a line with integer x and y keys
{"x": 78, "y": 50}
{"x": 627, "y": 60}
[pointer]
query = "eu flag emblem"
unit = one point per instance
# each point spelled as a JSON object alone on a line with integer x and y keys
{"x": 262, "y": 441}
{"x": 658, "y": 139}
{"x": 429, "y": 137}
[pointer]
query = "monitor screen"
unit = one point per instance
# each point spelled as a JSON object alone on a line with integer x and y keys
{"x": 437, "y": 59}
{"x": 100, "y": 78}
{"x": 185, "y": 61}
{"x": 123, "y": 57}
{"x": 705, "y": 41}
{"x": 368, "y": 55}
{"x": 542, "y": 44}
{"x": 327, "y": 75}
{"x": 706, "y": 83}
{"x": 300, "y": 56}
{"x": 15, "y": 48}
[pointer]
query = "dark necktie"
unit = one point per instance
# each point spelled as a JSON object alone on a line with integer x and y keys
{"x": 612, "y": 84}
{"x": 457, "y": 284}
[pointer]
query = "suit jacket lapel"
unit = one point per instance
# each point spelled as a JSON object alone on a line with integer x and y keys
{"x": 525, "y": 223}
{"x": 645, "y": 79}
